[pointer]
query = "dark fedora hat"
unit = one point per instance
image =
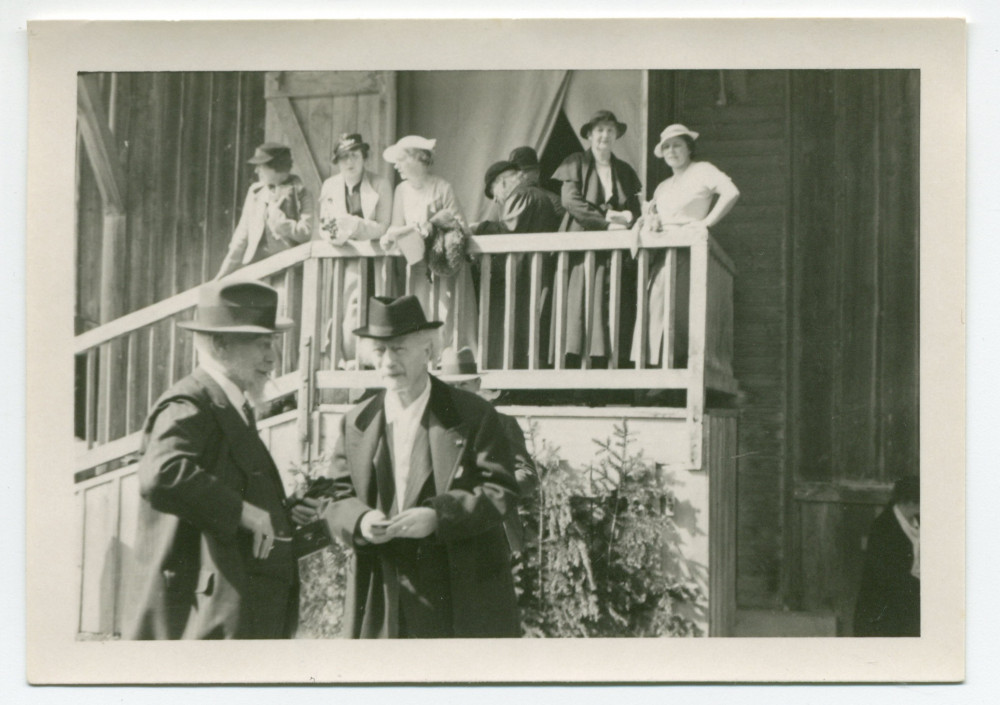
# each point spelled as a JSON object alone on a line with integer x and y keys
{"x": 350, "y": 142}
{"x": 268, "y": 152}
{"x": 391, "y": 318}
{"x": 237, "y": 307}
{"x": 494, "y": 171}
{"x": 458, "y": 366}
{"x": 602, "y": 116}
{"x": 525, "y": 158}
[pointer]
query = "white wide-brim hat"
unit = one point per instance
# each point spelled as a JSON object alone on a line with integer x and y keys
{"x": 394, "y": 153}
{"x": 672, "y": 131}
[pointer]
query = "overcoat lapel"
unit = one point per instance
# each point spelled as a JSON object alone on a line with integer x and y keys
{"x": 248, "y": 450}
{"x": 445, "y": 435}
{"x": 363, "y": 446}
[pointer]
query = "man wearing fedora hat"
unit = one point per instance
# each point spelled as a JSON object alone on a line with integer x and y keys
{"x": 459, "y": 369}
{"x": 526, "y": 159}
{"x": 422, "y": 480}
{"x": 522, "y": 208}
{"x": 354, "y": 204}
{"x": 277, "y": 213}
{"x": 213, "y": 553}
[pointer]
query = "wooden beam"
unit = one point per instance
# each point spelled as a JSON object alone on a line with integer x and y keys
{"x": 100, "y": 143}
{"x": 305, "y": 165}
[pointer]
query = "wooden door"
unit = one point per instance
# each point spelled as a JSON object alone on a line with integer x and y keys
{"x": 309, "y": 110}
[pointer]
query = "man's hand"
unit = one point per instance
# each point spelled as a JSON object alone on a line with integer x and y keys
{"x": 415, "y": 523}
{"x": 307, "y": 510}
{"x": 258, "y": 521}
{"x": 372, "y": 527}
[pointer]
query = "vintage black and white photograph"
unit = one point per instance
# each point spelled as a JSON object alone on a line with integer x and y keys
{"x": 467, "y": 352}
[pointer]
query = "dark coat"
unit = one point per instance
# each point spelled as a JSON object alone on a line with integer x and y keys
{"x": 528, "y": 209}
{"x": 586, "y": 205}
{"x": 526, "y": 475}
{"x": 889, "y": 599}
{"x": 194, "y": 575}
{"x": 456, "y": 582}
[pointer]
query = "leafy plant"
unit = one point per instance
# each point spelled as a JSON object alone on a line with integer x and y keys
{"x": 604, "y": 552}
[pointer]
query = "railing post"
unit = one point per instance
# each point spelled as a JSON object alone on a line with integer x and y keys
{"x": 308, "y": 358}
{"x": 697, "y": 323}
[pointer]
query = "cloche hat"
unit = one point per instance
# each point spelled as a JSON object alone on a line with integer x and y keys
{"x": 672, "y": 131}
{"x": 602, "y": 116}
{"x": 394, "y": 153}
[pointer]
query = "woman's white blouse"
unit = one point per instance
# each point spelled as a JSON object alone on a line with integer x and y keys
{"x": 688, "y": 197}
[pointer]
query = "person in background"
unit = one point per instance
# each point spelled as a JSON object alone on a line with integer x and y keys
{"x": 599, "y": 192}
{"x": 354, "y": 204}
{"x": 459, "y": 369}
{"x": 277, "y": 213}
{"x": 421, "y": 202}
{"x": 526, "y": 159}
{"x": 422, "y": 480}
{"x": 522, "y": 208}
{"x": 213, "y": 545}
{"x": 697, "y": 195}
{"x": 889, "y": 598}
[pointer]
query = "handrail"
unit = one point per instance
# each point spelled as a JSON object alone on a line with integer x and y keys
{"x": 184, "y": 300}
{"x": 479, "y": 245}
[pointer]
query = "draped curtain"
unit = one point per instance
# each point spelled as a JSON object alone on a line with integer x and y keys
{"x": 478, "y": 117}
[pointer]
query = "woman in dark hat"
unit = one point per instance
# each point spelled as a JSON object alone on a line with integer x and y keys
{"x": 599, "y": 192}
{"x": 277, "y": 213}
{"x": 889, "y": 598}
{"x": 354, "y": 204}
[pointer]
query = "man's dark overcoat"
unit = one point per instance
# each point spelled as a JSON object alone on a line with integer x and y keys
{"x": 456, "y": 582}
{"x": 194, "y": 575}
{"x": 889, "y": 598}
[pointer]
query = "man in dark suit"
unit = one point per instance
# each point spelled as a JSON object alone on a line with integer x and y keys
{"x": 889, "y": 598}
{"x": 459, "y": 369}
{"x": 522, "y": 208}
{"x": 526, "y": 159}
{"x": 213, "y": 551}
{"x": 422, "y": 479}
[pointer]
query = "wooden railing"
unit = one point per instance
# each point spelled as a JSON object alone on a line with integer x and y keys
{"x": 126, "y": 364}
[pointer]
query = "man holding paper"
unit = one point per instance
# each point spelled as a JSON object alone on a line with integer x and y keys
{"x": 422, "y": 479}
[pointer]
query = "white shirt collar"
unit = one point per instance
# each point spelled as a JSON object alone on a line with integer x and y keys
{"x": 233, "y": 393}
{"x": 395, "y": 411}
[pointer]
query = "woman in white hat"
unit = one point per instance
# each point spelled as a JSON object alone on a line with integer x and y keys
{"x": 422, "y": 200}
{"x": 697, "y": 195}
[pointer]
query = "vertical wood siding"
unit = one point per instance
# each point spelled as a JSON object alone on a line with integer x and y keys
{"x": 855, "y": 377}
{"x": 741, "y": 118}
{"x": 182, "y": 140}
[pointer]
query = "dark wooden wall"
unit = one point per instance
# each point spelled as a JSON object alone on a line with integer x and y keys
{"x": 183, "y": 140}
{"x": 825, "y": 240}
{"x": 855, "y": 295}
{"x": 742, "y": 120}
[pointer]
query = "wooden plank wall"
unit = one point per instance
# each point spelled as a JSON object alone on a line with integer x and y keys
{"x": 182, "y": 140}
{"x": 742, "y": 120}
{"x": 855, "y": 316}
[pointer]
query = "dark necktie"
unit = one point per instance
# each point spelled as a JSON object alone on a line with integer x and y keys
{"x": 248, "y": 413}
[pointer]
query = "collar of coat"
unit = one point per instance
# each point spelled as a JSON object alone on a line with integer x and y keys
{"x": 440, "y": 404}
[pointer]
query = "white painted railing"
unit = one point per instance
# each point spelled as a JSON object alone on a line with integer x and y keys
{"x": 127, "y": 363}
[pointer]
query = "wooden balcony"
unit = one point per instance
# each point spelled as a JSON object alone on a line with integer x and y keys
{"x": 126, "y": 364}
